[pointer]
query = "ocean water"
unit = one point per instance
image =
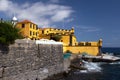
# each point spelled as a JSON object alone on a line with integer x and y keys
{"x": 101, "y": 71}
{"x": 95, "y": 71}
{"x": 115, "y": 51}
{"x": 109, "y": 71}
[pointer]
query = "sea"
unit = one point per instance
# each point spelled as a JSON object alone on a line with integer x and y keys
{"x": 97, "y": 70}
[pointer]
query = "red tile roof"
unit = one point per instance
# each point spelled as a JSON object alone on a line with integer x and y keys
{"x": 26, "y": 21}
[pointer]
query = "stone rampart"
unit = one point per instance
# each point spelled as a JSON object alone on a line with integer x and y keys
{"x": 26, "y": 60}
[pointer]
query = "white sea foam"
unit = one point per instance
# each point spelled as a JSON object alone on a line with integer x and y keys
{"x": 83, "y": 71}
{"x": 92, "y": 67}
{"x": 80, "y": 71}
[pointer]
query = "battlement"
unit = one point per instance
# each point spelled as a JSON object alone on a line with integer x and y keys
{"x": 49, "y": 31}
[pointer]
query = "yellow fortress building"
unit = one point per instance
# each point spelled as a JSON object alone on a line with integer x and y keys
{"x": 28, "y": 29}
{"x": 70, "y": 43}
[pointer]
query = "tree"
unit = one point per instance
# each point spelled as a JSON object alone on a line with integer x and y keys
{"x": 56, "y": 37}
{"x": 8, "y": 34}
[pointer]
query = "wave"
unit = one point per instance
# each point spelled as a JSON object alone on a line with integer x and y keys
{"x": 118, "y": 55}
{"x": 92, "y": 67}
{"x": 115, "y": 63}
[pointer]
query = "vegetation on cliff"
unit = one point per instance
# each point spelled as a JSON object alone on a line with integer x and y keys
{"x": 8, "y": 33}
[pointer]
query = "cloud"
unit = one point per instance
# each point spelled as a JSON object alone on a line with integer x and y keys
{"x": 54, "y": 1}
{"x": 60, "y": 15}
{"x": 4, "y": 5}
{"x": 41, "y": 13}
{"x": 88, "y": 28}
{"x": 69, "y": 20}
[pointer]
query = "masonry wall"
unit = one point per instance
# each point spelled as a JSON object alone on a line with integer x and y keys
{"x": 26, "y": 60}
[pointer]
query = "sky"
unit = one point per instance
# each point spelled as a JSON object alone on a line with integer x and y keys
{"x": 91, "y": 19}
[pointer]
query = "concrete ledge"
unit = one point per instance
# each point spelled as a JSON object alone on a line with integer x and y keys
{"x": 46, "y": 41}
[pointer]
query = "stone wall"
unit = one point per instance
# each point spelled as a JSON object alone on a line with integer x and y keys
{"x": 26, "y": 60}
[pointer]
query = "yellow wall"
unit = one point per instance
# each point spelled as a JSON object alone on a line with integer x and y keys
{"x": 74, "y": 41}
{"x": 66, "y": 40}
{"x": 93, "y": 48}
{"x": 81, "y": 49}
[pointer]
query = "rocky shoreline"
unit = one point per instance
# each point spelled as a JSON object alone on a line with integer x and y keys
{"x": 64, "y": 75}
{"x": 74, "y": 66}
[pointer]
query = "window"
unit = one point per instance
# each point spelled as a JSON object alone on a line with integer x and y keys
{"x": 33, "y": 26}
{"x": 23, "y": 25}
{"x": 42, "y": 31}
{"x": 30, "y": 33}
{"x": 36, "y": 33}
{"x": 36, "y": 27}
{"x": 30, "y": 25}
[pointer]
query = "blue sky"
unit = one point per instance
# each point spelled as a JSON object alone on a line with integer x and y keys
{"x": 92, "y": 19}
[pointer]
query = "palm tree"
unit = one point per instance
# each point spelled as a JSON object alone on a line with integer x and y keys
{"x": 8, "y": 34}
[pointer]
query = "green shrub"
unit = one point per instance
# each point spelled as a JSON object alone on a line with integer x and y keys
{"x": 8, "y": 34}
{"x": 56, "y": 37}
{"x": 68, "y": 51}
